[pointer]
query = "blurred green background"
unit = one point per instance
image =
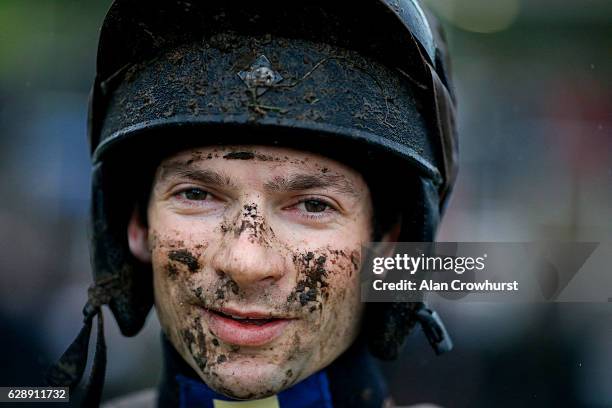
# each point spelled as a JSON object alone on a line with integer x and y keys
{"x": 534, "y": 83}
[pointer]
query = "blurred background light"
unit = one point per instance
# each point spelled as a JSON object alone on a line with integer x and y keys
{"x": 479, "y": 16}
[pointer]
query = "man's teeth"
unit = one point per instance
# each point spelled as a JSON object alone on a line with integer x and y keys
{"x": 248, "y": 320}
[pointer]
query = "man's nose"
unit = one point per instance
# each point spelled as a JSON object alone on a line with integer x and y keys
{"x": 251, "y": 260}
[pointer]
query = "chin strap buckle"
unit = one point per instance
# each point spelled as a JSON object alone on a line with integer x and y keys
{"x": 434, "y": 330}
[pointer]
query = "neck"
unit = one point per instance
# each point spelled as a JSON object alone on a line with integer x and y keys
{"x": 352, "y": 380}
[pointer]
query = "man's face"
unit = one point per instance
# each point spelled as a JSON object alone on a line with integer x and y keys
{"x": 256, "y": 254}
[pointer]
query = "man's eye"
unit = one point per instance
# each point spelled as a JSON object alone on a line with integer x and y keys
{"x": 315, "y": 206}
{"x": 194, "y": 194}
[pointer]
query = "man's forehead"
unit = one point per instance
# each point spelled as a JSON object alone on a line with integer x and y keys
{"x": 257, "y": 153}
{"x": 252, "y": 156}
{"x": 274, "y": 168}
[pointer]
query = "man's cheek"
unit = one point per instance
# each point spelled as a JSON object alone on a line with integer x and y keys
{"x": 175, "y": 266}
{"x": 195, "y": 342}
{"x": 198, "y": 343}
{"x": 340, "y": 301}
{"x": 176, "y": 259}
{"x": 327, "y": 284}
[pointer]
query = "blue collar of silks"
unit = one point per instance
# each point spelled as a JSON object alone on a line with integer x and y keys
{"x": 313, "y": 392}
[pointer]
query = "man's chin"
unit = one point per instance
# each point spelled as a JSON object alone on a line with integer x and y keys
{"x": 248, "y": 380}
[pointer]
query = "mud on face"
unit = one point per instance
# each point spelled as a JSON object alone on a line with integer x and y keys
{"x": 317, "y": 289}
{"x": 319, "y": 292}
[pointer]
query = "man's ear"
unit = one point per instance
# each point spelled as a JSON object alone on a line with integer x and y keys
{"x": 393, "y": 234}
{"x": 390, "y": 238}
{"x": 138, "y": 238}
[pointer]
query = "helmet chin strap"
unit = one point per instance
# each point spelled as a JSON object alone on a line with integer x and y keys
{"x": 434, "y": 329}
{"x": 69, "y": 369}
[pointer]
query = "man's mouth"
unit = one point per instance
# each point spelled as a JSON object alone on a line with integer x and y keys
{"x": 245, "y": 328}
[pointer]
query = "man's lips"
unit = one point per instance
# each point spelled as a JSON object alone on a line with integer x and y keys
{"x": 245, "y": 328}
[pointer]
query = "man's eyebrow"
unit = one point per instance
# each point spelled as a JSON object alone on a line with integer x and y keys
{"x": 300, "y": 182}
{"x": 205, "y": 176}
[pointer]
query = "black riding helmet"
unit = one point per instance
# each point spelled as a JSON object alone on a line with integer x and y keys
{"x": 363, "y": 82}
